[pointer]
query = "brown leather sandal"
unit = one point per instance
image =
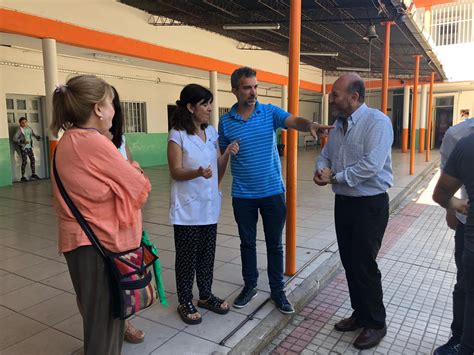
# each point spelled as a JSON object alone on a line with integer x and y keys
{"x": 186, "y": 309}
{"x": 214, "y": 304}
{"x": 132, "y": 334}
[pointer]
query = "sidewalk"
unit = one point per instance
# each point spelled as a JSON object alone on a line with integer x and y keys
{"x": 418, "y": 270}
{"x": 37, "y": 302}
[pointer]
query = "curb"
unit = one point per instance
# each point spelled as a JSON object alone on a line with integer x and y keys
{"x": 263, "y": 334}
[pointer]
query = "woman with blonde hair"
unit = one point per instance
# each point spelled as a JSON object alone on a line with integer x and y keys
{"x": 107, "y": 190}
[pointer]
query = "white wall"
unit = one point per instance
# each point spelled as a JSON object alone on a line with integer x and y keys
{"x": 137, "y": 84}
{"x": 457, "y": 61}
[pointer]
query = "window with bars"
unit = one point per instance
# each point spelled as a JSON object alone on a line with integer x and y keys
{"x": 134, "y": 116}
{"x": 453, "y": 23}
{"x": 223, "y": 111}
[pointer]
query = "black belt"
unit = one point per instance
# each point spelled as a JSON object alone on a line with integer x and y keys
{"x": 350, "y": 198}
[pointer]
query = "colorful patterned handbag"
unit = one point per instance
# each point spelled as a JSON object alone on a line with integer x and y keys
{"x": 132, "y": 280}
{"x": 131, "y": 271}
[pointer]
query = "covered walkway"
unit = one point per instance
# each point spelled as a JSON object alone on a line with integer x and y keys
{"x": 38, "y": 312}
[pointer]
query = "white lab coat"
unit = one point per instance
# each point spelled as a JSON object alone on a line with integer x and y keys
{"x": 196, "y": 201}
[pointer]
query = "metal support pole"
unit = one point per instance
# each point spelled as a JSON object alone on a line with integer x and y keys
{"x": 430, "y": 116}
{"x": 386, "y": 62}
{"x": 284, "y": 105}
{"x": 293, "y": 103}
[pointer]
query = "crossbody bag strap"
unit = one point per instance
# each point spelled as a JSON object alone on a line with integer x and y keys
{"x": 80, "y": 219}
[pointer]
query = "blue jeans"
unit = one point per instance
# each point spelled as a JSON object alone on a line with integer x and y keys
{"x": 273, "y": 212}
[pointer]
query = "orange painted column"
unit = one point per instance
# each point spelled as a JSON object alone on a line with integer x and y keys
{"x": 430, "y": 116}
{"x": 386, "y": 62}
{"x": 293, "y": 103}
{"x": 284, "y": 141}
{"x": 413, "y": 115}
{"x": 284, "y": 106}
{"x": 324, "y": 141}
{"x": 52, "y": 147}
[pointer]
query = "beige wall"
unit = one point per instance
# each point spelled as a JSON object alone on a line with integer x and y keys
{"x": 110, "y": 16}
{"x": 465, "y": 101}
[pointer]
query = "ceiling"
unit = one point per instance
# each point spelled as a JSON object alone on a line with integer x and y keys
{"x": 327, "y": 26}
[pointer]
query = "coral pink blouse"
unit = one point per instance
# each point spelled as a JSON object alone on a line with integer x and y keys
{"x": 107, "y": 190}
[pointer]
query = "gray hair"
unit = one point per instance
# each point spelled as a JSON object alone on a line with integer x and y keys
{"x": 358, "y": 86}
{"x": 239, "y": 73}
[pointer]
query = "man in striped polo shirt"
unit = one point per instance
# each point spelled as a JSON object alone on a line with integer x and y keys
{"x": 257, "y": 182}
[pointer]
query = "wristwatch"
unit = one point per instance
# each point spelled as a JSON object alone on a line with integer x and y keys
{"x": 332, "y": 179}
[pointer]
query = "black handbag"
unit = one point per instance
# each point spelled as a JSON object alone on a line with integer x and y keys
{"x": 130, "y": 271}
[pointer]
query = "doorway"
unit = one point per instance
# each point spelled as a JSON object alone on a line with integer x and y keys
{"x": 443, "y": 116}
{"x": 29, "y": 107}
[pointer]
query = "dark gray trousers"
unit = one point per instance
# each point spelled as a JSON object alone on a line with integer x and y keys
{"x": 102, "y": 333}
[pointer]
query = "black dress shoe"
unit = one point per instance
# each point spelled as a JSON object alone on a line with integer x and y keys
{"x": 369, "y": 338}
{"x": 450, "y": 348}
{"x": 347, "y": 325}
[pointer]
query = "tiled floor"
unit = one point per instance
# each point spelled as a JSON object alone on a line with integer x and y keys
{"x": 418, "y": 271}
{"x": 38, "y": 314}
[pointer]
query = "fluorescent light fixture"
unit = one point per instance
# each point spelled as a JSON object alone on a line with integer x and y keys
{"x": 252, "y": 26}
{"x": 114, "y": 58}
{"x": 321, "y": 54}
{"x": 353, "y": 69}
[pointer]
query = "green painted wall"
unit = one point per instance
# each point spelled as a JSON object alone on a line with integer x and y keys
{"x": 5, "y": 163}
{"x": 148, "y": 149}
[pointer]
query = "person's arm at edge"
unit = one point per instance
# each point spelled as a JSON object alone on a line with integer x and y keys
{"x": 445, "y": 151}
{"x": 304, "y": 125}
{"x": 444, "y": 191}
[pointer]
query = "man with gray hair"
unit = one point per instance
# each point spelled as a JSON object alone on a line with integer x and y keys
{"x": 357, "y": 162}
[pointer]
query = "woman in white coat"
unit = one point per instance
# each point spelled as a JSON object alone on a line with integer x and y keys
{"x": 196, "y": 167}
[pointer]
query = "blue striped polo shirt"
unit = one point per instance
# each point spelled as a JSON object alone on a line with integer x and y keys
{"x": 256, "y": 169}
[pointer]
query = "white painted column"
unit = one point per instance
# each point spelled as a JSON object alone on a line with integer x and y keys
{"x": 284, "y": 97}
{"x": 323, "y": 103}
{"x": 406, "y": 118}
{"x": 215, "y": 102}
{"x": 406, "y": 106}
{"x": 3, "y": 114}
{"x": 326, "y": 109}
{"x": 423, "y": 101}
{"x": 50, "y": 64}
